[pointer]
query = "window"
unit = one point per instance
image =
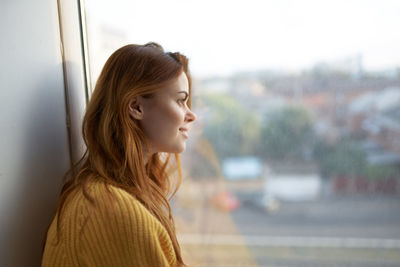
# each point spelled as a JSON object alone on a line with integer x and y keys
{"x": 295, "y": 158}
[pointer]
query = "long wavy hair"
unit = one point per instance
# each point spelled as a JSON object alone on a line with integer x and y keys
{"x": 115, "y": 144}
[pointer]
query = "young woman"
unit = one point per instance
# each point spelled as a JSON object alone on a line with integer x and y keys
{"x": 113, "y": 209}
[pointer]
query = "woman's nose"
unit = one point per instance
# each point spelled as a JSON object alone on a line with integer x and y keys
{"x": 190, "y": 116}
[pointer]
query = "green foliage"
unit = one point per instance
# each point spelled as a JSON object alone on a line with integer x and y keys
{"x": 231, "y": 128}
{"x": 286, "y": 134}
{"x": 381, "y": 172}
{"x": 345, "y": 158}
{"x": 341, "y": 159}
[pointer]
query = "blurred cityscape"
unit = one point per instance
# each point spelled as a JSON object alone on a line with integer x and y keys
{"x": 334, "y": 120}
{"x": 286, "y": 169}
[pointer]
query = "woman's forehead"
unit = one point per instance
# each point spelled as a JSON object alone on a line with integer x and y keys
{"x": 177, "y": 85}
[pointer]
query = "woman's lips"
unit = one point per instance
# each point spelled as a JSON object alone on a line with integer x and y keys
{"x": 184, "y": 132}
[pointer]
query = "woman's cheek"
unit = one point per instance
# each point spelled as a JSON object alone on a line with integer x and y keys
{"x": 177, "y": 114}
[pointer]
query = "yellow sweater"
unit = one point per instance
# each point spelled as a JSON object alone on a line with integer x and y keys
{"x": 118, "y": 231}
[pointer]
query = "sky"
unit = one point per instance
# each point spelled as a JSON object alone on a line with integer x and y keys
{"x": 222, "y": 37}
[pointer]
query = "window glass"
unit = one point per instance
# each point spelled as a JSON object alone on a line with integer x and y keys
{"x": 295, "y": 156}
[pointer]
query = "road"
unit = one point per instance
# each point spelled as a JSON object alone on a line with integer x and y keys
{"x": 357, "y": 231}
{"x": 340, "y": 216}
{"x": 336, "y": 231}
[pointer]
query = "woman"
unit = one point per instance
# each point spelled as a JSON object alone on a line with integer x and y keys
{"x": 113, "y": 210}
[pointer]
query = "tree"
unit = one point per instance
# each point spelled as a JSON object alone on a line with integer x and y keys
{"x": 287, "y": 134}
{"x": 232, "y": 129}
{"x": 344, "y": 158}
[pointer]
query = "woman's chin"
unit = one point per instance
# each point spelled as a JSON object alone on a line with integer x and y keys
{"x": 180, "y": 148}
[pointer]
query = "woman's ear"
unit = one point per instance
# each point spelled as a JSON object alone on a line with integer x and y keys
{"x": 136, "y": 109}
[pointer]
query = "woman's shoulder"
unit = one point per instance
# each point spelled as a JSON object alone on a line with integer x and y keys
{"x": 97, "y": 196}
{"x": 106, "y": 225}
{"x": 98, "y": 201}
{"x": 117, "y": 211}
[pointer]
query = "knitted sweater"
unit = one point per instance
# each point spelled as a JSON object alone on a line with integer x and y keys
{"x": 117, "y": 231}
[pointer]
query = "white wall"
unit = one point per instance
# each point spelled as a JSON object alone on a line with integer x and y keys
{"x": 34, "y": 141}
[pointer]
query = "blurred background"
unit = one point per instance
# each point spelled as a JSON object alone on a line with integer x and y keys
{"x": 295, "y": 156}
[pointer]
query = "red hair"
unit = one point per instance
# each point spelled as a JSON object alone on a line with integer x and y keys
{"x": 114, "y": 141}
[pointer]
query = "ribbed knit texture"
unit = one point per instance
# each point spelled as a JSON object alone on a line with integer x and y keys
{"x": 117, "y": 231}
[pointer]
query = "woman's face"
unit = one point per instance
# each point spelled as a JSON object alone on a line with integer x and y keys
{"x": 166, "y": 118}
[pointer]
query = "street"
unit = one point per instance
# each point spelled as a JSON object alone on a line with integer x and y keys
{"x": 335, "y": 231}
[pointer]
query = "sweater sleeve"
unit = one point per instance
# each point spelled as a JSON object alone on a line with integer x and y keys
{"x": 119, "y": 231}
